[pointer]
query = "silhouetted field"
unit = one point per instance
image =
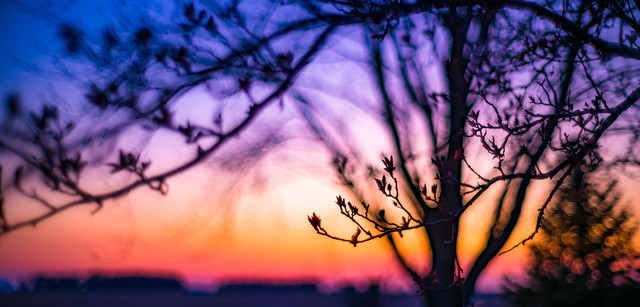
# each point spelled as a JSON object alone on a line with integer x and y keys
{"x": 146, "y": 291}
{"x": 161, "y": 298}
{"x": 172, "y": 298}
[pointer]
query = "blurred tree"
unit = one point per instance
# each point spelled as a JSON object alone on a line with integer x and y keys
{"x": 584, "y": 255}
{"x": 473, "y": 99}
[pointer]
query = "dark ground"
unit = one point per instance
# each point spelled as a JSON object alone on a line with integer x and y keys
{"x": 148, "y": 291}
{"x": 175, "y": 298}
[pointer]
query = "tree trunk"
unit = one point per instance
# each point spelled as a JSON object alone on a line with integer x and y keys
{"x": 441, "y": 288}
{"x": 448, "y": 298}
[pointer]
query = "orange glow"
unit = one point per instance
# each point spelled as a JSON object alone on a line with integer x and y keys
{"x": 263, "y": 235}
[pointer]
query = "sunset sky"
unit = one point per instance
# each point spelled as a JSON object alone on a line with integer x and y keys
{"x": 262, "y": 236}
{"x": 214, "y": 228}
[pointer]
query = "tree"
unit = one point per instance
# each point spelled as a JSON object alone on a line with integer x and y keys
{"x": 585, "y": 254}
{"x": 469, "y": 99}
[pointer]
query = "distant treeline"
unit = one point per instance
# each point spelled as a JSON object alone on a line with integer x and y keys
{"x": 168, "y": 291}
{"x": 50, "y": 284}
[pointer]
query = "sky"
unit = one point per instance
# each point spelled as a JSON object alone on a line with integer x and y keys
{"x": 259, "y": 232}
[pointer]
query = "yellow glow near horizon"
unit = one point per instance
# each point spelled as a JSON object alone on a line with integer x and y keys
{"x": 265, "y": 236}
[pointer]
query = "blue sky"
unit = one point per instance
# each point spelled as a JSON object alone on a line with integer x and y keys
{"x": 18, "y": 32}
{"x": 30, "y": 35}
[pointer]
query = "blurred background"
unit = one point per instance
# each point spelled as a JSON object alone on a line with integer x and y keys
{"x": 223, "y": 229}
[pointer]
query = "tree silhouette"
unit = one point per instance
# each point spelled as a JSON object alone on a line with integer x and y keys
{"x": 585, "y": 254}
{"x": 468, "y": 100}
